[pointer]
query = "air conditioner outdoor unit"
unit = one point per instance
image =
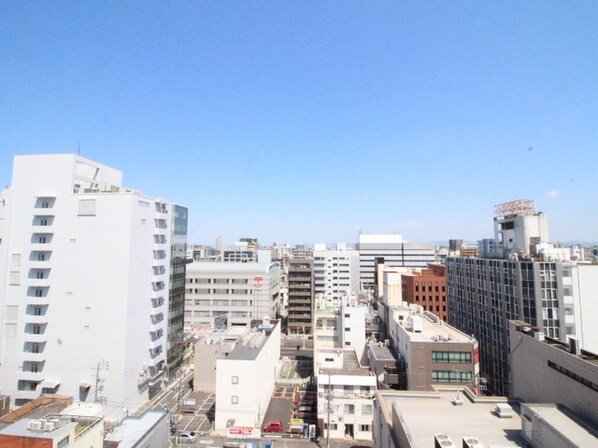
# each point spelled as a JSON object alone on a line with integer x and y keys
{"x": 35, "y": 425}
{"x": 472, "y": 442}
{"x": 443, "y": 441}
{"x": 49, "y": 426}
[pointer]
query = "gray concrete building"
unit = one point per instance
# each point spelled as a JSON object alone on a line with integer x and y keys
{"x": 545, "y": 370}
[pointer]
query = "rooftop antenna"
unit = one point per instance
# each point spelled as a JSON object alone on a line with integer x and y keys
{"x": 79, "y": 148}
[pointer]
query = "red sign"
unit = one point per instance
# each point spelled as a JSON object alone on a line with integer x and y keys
{"x": 257, "y": 281}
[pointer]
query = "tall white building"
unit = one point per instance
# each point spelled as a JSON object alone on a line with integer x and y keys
{"x": 336, "y": 272}
{"x": 393, "y": 251}
{"x": 85, "y": 269}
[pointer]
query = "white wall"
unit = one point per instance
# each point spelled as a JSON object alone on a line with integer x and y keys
{"x": 99, "y": 283}
{"x": 254, "y": 388}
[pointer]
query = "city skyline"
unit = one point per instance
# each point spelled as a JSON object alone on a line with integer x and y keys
{"x": 309, "y": 122}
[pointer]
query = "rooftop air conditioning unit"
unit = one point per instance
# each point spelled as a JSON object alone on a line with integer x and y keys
{"x": 49, "y": 426}
{"x": 35, "y": 425}
{"x": 471, "y": 442}
{"x": 443, "y": 441}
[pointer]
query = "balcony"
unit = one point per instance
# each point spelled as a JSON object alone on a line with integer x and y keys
{"x": 159, "y": 342}
{"x": 157, "y": 359}
{"x": 32, "y": 337}
{"x": 157, "y": 310}
{"x": 26, "y": 395}
{"x": 31, "y": 300}
{"x": 31, "y": 376}
{"x": 38, "y": 282}
{"x": 36, "y": 319}
{"x": 40, "y": 264}
{"x": 34, "y": 357}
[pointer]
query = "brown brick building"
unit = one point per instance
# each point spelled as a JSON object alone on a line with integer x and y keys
{"x": 427, "y": 289}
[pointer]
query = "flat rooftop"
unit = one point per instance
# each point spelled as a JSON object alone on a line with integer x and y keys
{"x": 134, "y": 428}
{"x": 382, "y": 353}
{"x": 572, "y": 429}
{"x": 231, "y": 335}
{"x": 350, "y": 364}
{"x": 425, "y": 414}
{"x": 434, "y": 330}
{"x": 251, "y": 342}
{"x": 202, "y": 268}
{"x": 531, "y": 332}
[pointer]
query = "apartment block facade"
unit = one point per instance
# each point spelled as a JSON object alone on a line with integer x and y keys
{"x": 85, "y": 284}
{"x": 336, "y": 273}
{"x": 557, "y": 297}
{"x": 300, "y": 281}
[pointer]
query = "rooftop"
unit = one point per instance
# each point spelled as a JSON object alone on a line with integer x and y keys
{"x": 382, "y": 353}
{"x": 351, "y": 364}
{"x": 568, "y": 426}
{"x": 199, "y": 267}
{"x": 252, "y": 341}
{"x": 537, "y": 334}
{"x": 427, "y": 413}
{"x": 36, "y": 409}
{"x": 133, "y": 428}
{"x": 433, "y": 329}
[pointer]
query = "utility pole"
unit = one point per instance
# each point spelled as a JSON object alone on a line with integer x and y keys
{"x": 95, "y": 399}
{"x": 328, "y": 422}
{"x": 100, "y": 382}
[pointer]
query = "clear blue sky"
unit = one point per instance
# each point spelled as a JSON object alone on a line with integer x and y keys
{"x": 307, "y": 121}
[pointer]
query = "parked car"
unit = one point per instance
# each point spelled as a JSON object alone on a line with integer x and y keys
{"x": 305, "y": 402}
{"x": 304, "y": 411}
{"x": 187, "y": 437}
{"x": 273, "y": 426}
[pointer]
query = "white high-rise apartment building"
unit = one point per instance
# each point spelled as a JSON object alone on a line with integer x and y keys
{"x": 85, "y": 270}
{"x": 336, "y": 273}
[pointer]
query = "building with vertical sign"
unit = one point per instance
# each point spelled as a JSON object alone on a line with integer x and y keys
{"x": 223, "y": 295}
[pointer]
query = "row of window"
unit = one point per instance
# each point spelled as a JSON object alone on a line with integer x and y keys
{"x": 219, "y": 281}
{"x": 457, "y": 357}
{"x": 448, "y": 376}
{"x": 220, "y": 302}
{"x": 219, "y": 291}
{"x": 574, "y": 376}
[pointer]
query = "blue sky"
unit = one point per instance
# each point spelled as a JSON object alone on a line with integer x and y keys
{"x": 309, "y": 121}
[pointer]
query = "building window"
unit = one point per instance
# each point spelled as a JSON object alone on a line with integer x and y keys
{"x": 446, "y": 376}
{"x": 364, "y": 428}
{"x": 366, "y": 409}
{"x": 349, "y": 409}
{"x": 234, "y": 399}
{"x": 573, "y": 376}
{"x": 234, "y": 379}
{"x": 347, "y": 329}
{"x": 63, "y": 443}
{"x": 452, "y": 357}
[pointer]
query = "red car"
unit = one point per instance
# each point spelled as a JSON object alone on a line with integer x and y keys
{"x": 273, "y": 426}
